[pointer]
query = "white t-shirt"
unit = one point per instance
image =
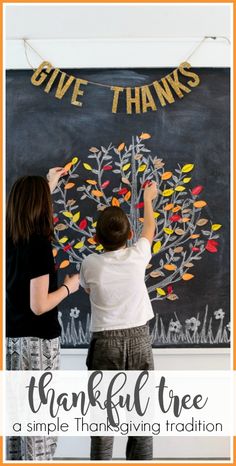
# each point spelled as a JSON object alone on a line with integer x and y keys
{"x": 118, "y": 294}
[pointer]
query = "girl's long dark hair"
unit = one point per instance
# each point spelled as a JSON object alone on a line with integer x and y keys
{"x": 29, "y": 209}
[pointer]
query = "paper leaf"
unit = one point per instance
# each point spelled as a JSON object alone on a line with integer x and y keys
{"x": 167, "y": 192}
{"x": 68, "y": 166}
{"x": 200, "y": 204}
{"x": 54, "y": 252}
{"x": 115, "y": 202}
{"x": 166, "y": 175}
{"x": 216, "y": 226}
{"x": 87, "y": 166}
{"x": 99, "y": 247}
{"x": 172, "y": 297}
{"x": 67, "y": 214}
{"x": 180, "y": 188}
{"x": 160, "y": 291}
{"x": 61, "y": 227}
{"x": 156, "y": 247}
{"x": 91, "y": 182}
{"x": 125, "y": 180}
{"x": 202, "y": 221}
{"x": 69, "y": 185}
{"x": 179, "y": 231}
{"x": 156, "y": 274}
{"x": 97, "y": 193}
{"x": 168, "y": 206}
{"x": 142, "y": 167}
{"x": 186, "y": 180}
{"x": 168, "y": 231}
{"x": 187, "y": 276}
{"x": 187, "y": 168}
{"x": 121, "y": 146}
{"x": 64, "y": 264}
{"x": 145, "y": 136}
{"x": 63, "y": 240}
{"x": 126, "y": 167}
{"x": 127, "y": 196}
{"x": 170, "y": 267}
{"x": 74, "y": 160}
{"x": 76, "y": 217}
{"x": 79, "y": 245}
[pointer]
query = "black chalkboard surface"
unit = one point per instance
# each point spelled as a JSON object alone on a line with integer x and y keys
{"x": 183, "y": 144}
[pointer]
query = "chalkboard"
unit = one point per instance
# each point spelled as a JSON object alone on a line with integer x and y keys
{"x": 193, "y": 132}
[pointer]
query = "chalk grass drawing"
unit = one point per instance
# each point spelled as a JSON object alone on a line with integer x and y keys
{"x": 117, "y": 176}
{"x": 192, "y": 331}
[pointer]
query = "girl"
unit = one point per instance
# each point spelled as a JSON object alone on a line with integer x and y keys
{"x": 32, "y": 294}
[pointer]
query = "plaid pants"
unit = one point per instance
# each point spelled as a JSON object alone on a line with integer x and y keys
{"x": 31, "y": 353}
{"x": 126, "y": 349}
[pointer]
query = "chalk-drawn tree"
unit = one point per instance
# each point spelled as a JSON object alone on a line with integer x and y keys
{"x": 117, "y": 176}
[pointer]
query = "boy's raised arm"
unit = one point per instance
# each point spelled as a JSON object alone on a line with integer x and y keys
{"x": 150, "y": 193}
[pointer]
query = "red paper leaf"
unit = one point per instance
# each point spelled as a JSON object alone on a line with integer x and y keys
{"x": 197, "y": 190}
{"x": 123, "y": 191}
{"x": 83, "y": 224}
{"x": 212, "y": 245}
{"x": 105, "y": 184}
{"x": 169, "y": 289}
{"x": 139, "y": 205}
{"x": 175, "y": 218}
{"x": 68, "y": 246}
{"x": 195, "y": 249}
{"x": 107, "y": 167}
{"x": 55, "y": 219}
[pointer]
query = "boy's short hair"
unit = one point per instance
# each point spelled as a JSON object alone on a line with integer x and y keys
{"x": 112, "y": 228}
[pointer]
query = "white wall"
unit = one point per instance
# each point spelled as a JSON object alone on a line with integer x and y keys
{"x": 128, "y": 36}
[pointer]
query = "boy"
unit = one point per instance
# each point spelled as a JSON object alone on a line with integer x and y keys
{"x": 120, "y": 307}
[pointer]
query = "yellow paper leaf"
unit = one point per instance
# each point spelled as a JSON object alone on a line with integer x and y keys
{"x": 156, "y": 247}
{"x": 180, "y": 188}
{"x": 121, "y": 146}
{"x": 145, "y": 136}
{"x": 87, "y": 166}
{"x": 74, "y": 160}
{"x": 67, "y": 214}
{"x": 64, "y": 264}
{"x": 69, "y": 185}
{"x": 79, "y": 245}
{"x": 156, "y": 214}
{"x": 97, "y": 193}
{"x": 166, "y": 175}
{"x": 94, "y": 224}
{"x": 91, "y": 182}
{"x": 187, "y": 276}
{"x": 170, "y": 267}
{"x": 99, "y": 247}
{"x": 186, "y": 180}
{"x": 187, "y": 168}
{"x": 115, "y": 202}
{"x": 168, "y": 231}
{"x": 126, "y": 167}
{"x": 160, "y": 291}
{"x": 199, "y": 204}
{"x": 76, "y": 217}
{"x": 216, "y": 226}
{"x": 63, "y": 240}
{"x": 142, "y": 167}
{"x": 167, "y": 192}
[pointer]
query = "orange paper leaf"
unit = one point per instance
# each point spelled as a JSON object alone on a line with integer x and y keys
{"x": 69, "y": 185}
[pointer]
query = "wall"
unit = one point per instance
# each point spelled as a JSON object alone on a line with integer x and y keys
{"x": 119, "y": 36}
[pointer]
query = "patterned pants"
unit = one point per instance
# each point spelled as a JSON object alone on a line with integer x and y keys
{"x": 31, "y": 353}
{"x": 128, "y": 349}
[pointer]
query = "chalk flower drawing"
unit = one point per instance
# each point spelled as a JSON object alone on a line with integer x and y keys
{"x": 117, "y": 176}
